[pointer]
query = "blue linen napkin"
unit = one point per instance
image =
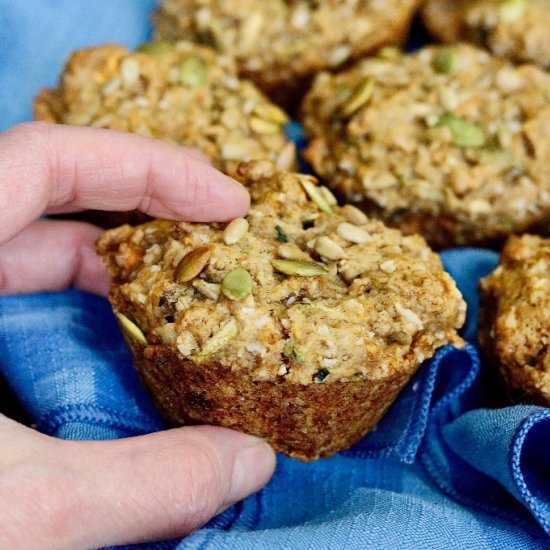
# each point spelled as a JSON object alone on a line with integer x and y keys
{"x": 440, "y": 470}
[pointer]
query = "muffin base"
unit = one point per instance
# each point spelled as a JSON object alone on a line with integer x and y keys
{"x": 301, "y": 421}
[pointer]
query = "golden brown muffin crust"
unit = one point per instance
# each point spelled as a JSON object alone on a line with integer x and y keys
{"x": 514, "y": 328}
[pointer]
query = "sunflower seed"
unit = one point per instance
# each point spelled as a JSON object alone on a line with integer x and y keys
{"x": 235, "y": 231}
{"x": 271, "y": 112}
{"x": 262, "y": 126}
{"x": 354, "y": 215}
{"x": 329, "y": 249}
{"x": 220, "y": 338}
{"x": 209, "y": 290}
{"x": 352, "y": 233}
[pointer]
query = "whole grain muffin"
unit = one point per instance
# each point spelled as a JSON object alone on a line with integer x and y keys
{"x": 516, "y": 29}
{"x": 185, "y": 94}
{"x": 280, "y": 44}
{"x": 514, "y": 330}
{"x": 449, "y": 142}
{"x": 299, "y": 324}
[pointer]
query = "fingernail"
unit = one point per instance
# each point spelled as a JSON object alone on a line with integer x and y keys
{"x": 252, "y": 469}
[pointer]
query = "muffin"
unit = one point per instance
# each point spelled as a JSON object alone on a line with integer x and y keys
{"x": 516, "y": 29}
{"x": 299, "y": 324}
{"x": 185, "y": 94}
{"x": 280, "y": 44}
{"x": 449, "y": 142}
{"x": 513, "y": 332}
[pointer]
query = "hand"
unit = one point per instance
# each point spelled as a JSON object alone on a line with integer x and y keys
{"x": 68, "y": 494}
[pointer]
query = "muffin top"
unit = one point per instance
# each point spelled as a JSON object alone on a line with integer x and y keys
{"x": 514, "y": 327}
{"x": 449, "y": 133}
{"x": 516, "y": 29}
{"x": 301, "y": 290}
{"x": 185, "y": 93}
{"x": 275, "y": 41}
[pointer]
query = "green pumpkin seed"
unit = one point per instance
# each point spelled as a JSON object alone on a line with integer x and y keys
{"x": 131, "y": 329}
{"x": 315, "y": 195}
{"x": 154, "y": 48}
{"x": 389, "y": 53}
{"x": 191, "y": 265}
{"x": 511, "y": 10}
{"x": 303, "y": 268}
{"x": 445, "y": 60}
{"x": 237, "y": 284}
{"x": 358, "y": 98}
{"x": 464, "y": 132}
{"x": 193, "y": 71}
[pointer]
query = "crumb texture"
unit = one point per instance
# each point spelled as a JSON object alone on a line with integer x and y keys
{"x": 184, "y": 94}
{"x": 449, "y": 142}
{"x": 279, "y": 44}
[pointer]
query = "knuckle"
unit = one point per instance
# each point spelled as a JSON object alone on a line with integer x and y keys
{"x": 205, "y": 482}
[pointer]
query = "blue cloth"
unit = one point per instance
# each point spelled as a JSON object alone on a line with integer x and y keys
{"x": 440, "y": 471}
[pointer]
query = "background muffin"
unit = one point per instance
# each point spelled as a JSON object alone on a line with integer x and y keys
{"x": 299, "y": 324}
{"x": 280, "y": 44}
{"x": 449, "y": 142}
{"x": 516, "y": 29}
{"x": 513, "y": 328}
{"x": 185, "y": 94}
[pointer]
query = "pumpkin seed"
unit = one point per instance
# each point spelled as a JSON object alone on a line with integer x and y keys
{"x": 191, "y": 265}
{"x": 315, "y": 195}
{"x": 235, "y": 231}
{"x": 131, "y": 329}
{"x": 237, "y": 284}
{"x": 445, "y": 60}
{"x": 510, "y": 10}
{"x": 154, "y": 48}
{"x": 358, "y": 98}
{"x": 389, "y": 53}
{"x": 464, "y": 133}
{"x": 192, "y": 71}
{"x": 302, "y": 268}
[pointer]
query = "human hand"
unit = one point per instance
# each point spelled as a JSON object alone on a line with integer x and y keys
{"x": 66, "y": 494}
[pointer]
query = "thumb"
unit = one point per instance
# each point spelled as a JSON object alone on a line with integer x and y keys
{"x": 153, "y": 487}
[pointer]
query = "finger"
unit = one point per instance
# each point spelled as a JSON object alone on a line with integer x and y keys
{"x": 65, "y": 168}
{"x": 92, "y": 494}
{"x": 52, "y": 255}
